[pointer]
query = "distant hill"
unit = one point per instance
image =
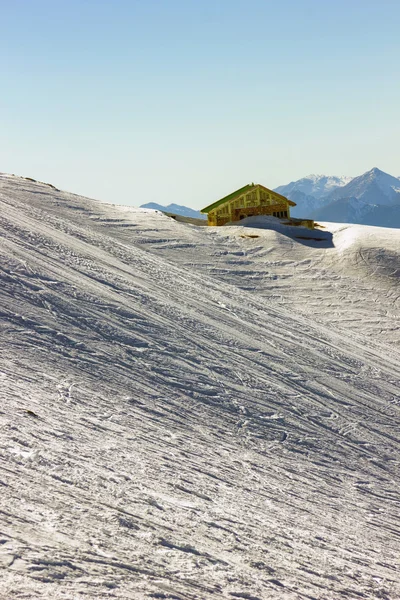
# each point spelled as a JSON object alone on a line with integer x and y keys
{"x": 370, "y": 199}
{"x": 176, "y": 209}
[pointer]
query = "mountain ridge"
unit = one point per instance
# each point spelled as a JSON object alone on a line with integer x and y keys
{"x": 372, "y": 198}
{"x": 313, "y": 185}
{"x": 373, "y": 187}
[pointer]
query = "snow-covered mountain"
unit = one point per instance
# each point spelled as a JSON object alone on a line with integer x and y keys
{"x": 316, "y": 186}
{"x": 192, "y": 412}
{"x": 373, "y": 187}
{"x": 176, "y": 209}
{"x": 370, "y": 199}
{"x": 308, "y": 192}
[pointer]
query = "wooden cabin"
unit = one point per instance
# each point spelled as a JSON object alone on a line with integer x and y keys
{"x": 250, "y": 200}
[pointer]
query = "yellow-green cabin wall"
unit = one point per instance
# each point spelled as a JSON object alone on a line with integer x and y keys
{"x": 259, "y": 202}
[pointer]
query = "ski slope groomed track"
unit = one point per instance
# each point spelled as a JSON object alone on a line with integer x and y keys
{"x": 190, "y": 412}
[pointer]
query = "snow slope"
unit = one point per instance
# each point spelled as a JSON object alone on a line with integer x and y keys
{"x": 176, "y": 209}
{"x": 191, "y": 412}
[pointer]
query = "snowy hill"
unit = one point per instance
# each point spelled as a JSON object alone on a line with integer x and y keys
{"x": 192, "y": 412}
{"x": 176, "y": 209}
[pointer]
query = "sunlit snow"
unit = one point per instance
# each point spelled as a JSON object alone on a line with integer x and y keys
{"x": 192, "y": 412}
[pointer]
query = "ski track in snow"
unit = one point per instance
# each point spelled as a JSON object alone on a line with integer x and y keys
{"x": 190, "y": 412}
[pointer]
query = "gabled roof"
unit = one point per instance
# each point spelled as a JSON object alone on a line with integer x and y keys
{"x": 239, "y": 192}
{"x": 231, "y": 196}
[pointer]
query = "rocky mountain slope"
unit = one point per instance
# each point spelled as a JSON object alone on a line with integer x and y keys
{"x": 192, "y": 412}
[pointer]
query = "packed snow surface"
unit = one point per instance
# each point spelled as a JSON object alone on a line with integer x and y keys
{"x": 192, "y": 412}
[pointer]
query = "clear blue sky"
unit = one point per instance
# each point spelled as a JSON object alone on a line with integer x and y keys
{"x": 186, "y": 100}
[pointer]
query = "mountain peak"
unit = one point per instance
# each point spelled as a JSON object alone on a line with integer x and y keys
{"x": 375, "y": 171}
{"x": 385, "y": 181}
{"x": 374, "y": 188}
{"x": 372, "y": 191}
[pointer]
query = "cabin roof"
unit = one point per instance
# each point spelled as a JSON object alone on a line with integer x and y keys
{"x": 239, "y": 192}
